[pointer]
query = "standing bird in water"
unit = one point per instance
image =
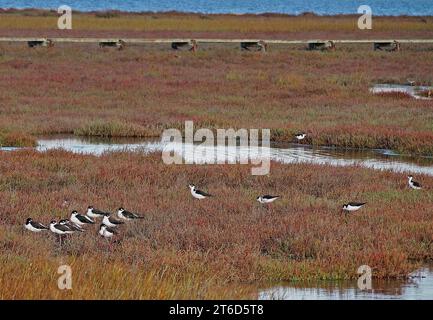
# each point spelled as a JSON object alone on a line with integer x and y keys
{"x": 300, "y": 136}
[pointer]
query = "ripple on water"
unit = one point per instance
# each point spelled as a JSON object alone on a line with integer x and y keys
{"x": 287, "y": 154}
{"x": 291, "y": 153}
{"x": 413, "y": 91}
{"x": 419, "y": 287}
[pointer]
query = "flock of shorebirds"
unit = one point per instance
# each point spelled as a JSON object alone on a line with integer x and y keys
{"x": 266, "y": 199}
{"x": 107, "y": 228}
{"x": 77, "y": 222}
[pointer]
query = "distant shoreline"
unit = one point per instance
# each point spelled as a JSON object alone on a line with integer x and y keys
{"x": 43, "y": 23}
{"x": 52, "y": 12}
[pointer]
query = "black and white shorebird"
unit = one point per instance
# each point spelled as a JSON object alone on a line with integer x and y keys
{"x": 413, "y": 184}
{"x": 300, "y": 136}
{"x": 60, "y": 229}
{"x": 127, "y": 215}
{"x": 353, "y": 206}
{"x": 411, "y": 82}
{"x": 106, "y": 232}
{"x": 94, "y": 213}
{"x": 34, "y": 226}
{"x": 80, "y": 220}
{"x": 198, "y": 194}
{"x": 72, "y": 226}
{"x": 109, "y": 221}
{"x": 267, "y": 199}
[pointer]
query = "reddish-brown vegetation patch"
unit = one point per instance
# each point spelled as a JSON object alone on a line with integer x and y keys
{"x": 141, "y": 91}
{"x": 304, "y": 235}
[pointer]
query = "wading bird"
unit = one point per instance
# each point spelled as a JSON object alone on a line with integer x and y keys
{"x": 198, "y": 194}
{"x": 127, "y": 215}
{"x": 94, "y": 213}
{"x": 72, "y": 226}
{"x": 413, "y": 184}
{"x": 80, "y": 219}
{"x": 106, "y": 232}
{"x": 34, "y": 226}
{"x": 300, "y": 136}
{"x": 353, "y": 206}
{"x": 110, "y": 221}
{"x": 267, "y": 199}
{"x": 60, "y": 230}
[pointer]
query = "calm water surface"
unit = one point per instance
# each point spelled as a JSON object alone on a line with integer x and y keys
{"x": 284, "y": 153}
{"x": 419, "y": 287}
{"x": 323, "y": 7}
{"x": 413, "y": 91}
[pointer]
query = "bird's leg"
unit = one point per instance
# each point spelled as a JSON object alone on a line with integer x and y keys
{"x": 345, "y": 217}
{"x": 110, "y": 244}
